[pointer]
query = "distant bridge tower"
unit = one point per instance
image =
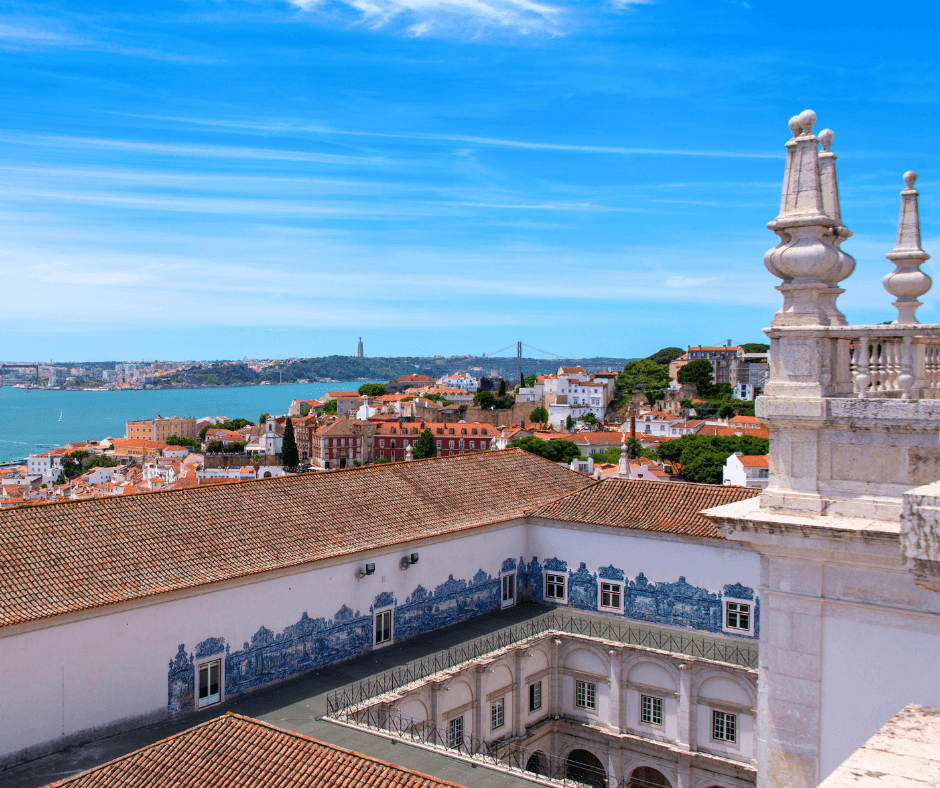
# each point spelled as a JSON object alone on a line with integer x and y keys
{"x": 359, "y": 351}
{"x": 519, "y": 363}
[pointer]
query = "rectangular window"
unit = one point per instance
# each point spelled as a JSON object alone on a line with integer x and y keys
{"x": 210, "y": 683}
{"x": 455, "y": 733}
{"x": 383, "y": 627}
{"x": 451, "y": 444}
{"x": 439, "y": 444}
{"x": 738, "y": 616}
{"x": 611, "y": 596}
{"x": 382, "y": 443}
{"x": 471, "y": 444}
{"x": 554, "y": 586}
{"x": 586, "y": 695}
{"x": 724, "y": 726}
{"x": 509, "y": 589}
{"x": 497, "y": 714}
{"x": 535, "y": 696}
{"x": 651, "y": 710}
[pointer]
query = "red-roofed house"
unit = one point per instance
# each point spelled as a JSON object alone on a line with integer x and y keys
{"x": 744, "y": 470}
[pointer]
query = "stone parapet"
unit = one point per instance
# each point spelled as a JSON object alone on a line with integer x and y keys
{"x": 920, "y": 535}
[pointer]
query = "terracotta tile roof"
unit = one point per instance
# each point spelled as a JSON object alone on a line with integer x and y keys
{"x": 714, "y": 429}
{"x": 86, "y": 554}
{"x": 344, "y": 394}
{"x": 755, "y": 461}
{"x": 240, "y": 752}
{"x": 644, "y": 505}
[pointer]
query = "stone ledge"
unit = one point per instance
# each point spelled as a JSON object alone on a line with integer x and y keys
{"x": 905, "y": 753}
{"x": 920, "y": 535}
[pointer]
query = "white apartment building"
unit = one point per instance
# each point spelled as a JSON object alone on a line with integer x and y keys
{"x": 747, "y": 470}
{"x": 460, "y": 380}
{"x": 571, "y": 392}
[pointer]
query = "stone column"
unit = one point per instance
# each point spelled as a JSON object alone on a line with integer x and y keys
{"x": 615, "y": 718}
{"x": 437, "y": 718}
{"x": 554, "y": 703}
{"x": 519, "y": 699}
{"x": 478, "y": 701}
{"x": 684, "y": 772}
{"x": 789, "y": 684}
{"x": 685, "y": 733}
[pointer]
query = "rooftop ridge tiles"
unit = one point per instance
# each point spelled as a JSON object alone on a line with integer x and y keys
{"x": 225, "y": 721}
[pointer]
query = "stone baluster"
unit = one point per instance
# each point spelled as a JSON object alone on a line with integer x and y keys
{"x": 906, "y": 377}
{"x": 907, "y": 282}
{"x": 862, "y": 366}
{"x": 807, "y": 258}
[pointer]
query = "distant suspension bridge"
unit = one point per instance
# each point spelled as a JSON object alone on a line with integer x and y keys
{"x": 519, "y": 346}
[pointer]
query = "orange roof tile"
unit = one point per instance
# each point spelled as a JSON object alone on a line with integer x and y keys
{"x": 644, "y": 505}
{"x": 755, "y": 461}
{"x": 85, "y": 554}
{"x": 235, "y": 751}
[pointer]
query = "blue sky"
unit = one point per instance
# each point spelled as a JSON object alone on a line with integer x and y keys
{"x": 217, "y": 179}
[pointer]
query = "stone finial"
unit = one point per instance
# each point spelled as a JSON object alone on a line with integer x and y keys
{"x": 807, "y": 259}
{"x": 409, "y": 453}
{"x": 623, "y": 467}
{"x": 907, "y": 282}
{"x": 829, "y": 186}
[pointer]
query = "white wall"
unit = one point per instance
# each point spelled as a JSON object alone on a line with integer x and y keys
{"x": 872, "y": 666}
{"x": 93, "y": 672}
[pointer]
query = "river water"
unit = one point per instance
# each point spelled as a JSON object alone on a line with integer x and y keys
{"x": 29, "y": 419}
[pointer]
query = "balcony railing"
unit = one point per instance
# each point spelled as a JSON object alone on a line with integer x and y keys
{"x": 887, "y": 362}
{"x": 560, "y": 621}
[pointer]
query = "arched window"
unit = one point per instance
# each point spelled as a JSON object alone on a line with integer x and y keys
{"x": 537, "y": 764}
{"x": 648, "y": 777}
{"x": 584, "y": 767}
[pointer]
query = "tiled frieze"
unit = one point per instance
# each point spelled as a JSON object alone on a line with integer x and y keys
{"x": 313, "y": 642}
{"x": 678, "y": 604}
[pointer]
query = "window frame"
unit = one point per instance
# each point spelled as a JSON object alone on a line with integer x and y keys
{"x": 651, "y": 710}
{"x": 220, "y": 695}
{"x": 727, "y": 733}
{"x": 726, "y": 614}
{"x": 535, "y": 696}
{"x": 585, "y": 691}
{"x": 546, "y": 574}
{"x": 497, "y": 714}
{"x": 455, "y": 732}
{"x": 385, "y": 611}
{"x": 618, "y": 608}
{"x": 511, "y": 601}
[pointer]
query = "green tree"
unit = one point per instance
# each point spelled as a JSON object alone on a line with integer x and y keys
{"x": 700, "y": 455}
{"x": 502, "y": 388}
{"x": 424, "y": 446}
{"x": 699, "y": 374}
{"x": 330, "y": 407}
{"x": 304, "y": 410}
{"x": 666, "y": 355}
{"x": 485, "y": 399}
{"x": 530, "y": 380}
{"x": 569, "y": 423}
{"x": 176, "y": 440}
{"x": 588, "y": 418}
{"x": 290, "y": 457}
{"x": 726, "y": 411}
{"x": 755, "y": 347}
{"x": 215, "y": 447}
{"x": 372, "y": 390}
{"x": 556, "y": 450}
{"x": 539, "y": 415}
{"x": 380, "y": 461}
{"x": 261, "y": 420}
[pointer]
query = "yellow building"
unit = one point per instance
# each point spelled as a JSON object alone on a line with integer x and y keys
{"x": 159, "y": 429}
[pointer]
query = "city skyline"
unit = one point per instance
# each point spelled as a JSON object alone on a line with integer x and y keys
{"x": 275, "y": 179}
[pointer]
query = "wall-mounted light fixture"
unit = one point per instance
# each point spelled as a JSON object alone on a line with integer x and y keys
{"x": 369, "y": 570}
{"x": 408, "y": 560}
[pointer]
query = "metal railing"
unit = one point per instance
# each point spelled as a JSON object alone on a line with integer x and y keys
{"x": 507, "y": 754}
{"x": 560, "y": 621}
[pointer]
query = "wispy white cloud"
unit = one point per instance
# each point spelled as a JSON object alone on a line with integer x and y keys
{"x": 188, "y": 150}
{"x": 299, "y": 127}
{"x": 420, "y": 17}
